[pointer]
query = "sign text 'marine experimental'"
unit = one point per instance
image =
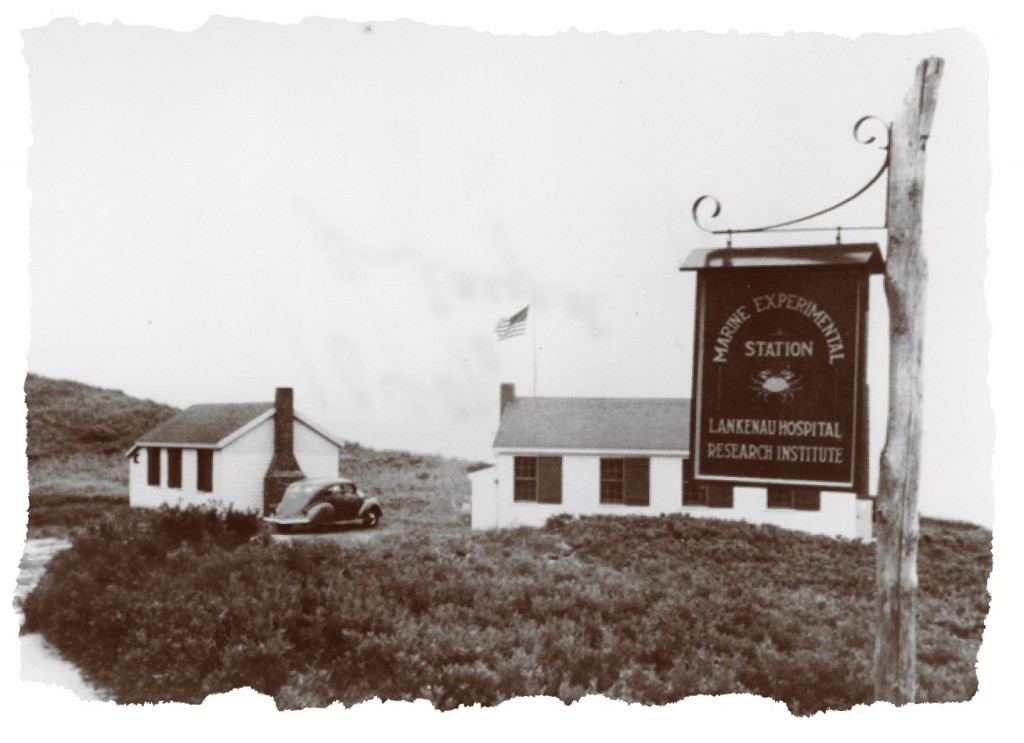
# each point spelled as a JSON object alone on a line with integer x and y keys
{"x": 833, "y": 339}
{"x": 777, "y": 376}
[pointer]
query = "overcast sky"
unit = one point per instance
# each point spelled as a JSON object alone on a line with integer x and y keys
{"x": 404, "y": 187}
{"x": 348, "y": 208}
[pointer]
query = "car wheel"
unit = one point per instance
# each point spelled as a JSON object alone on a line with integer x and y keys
{"x": 371, "y": 519}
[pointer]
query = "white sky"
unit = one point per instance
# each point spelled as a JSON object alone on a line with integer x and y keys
{"x": 348, "y": 208}
{"x": 247, "y": 205}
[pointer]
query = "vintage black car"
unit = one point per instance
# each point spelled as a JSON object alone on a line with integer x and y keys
{"x": 324, "y": 502}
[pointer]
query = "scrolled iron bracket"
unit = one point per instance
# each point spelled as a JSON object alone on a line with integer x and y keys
{"x": 787, "y": 226}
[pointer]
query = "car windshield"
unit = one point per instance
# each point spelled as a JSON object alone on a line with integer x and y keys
{"x": 295, "y": 498}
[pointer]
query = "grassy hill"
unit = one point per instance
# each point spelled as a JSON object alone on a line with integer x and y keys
{"x": 77, "y": 438}
{"x": 69, "y": 418}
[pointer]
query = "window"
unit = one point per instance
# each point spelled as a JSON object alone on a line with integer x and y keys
{"x": 799, "y": 499}
{"x": 538, "y": 480}
{"x": 526, "y": 479}
{"x": 153, "y": 463}
{"x": 613, "y": 478}
{"x": 174, "y": 468}
{"x": 707, "y": 494}
{"x": 626, "y": 481}
{"x": 204, "y": 470}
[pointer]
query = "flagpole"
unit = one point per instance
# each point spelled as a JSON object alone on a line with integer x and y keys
{"x": 533, "y": 319}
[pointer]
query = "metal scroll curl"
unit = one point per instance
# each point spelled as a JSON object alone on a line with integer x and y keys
{"x": 860, "y": 135}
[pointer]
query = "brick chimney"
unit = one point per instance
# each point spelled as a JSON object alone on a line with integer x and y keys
{"x": 284, "y": 468}
{"x": 508, "y": 394}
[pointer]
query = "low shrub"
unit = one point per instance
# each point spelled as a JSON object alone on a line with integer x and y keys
{"x": 182, "y": 604}
{"x": 197, "y": 525}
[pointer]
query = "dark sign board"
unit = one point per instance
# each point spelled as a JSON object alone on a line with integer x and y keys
{"x": 779, "y": 367}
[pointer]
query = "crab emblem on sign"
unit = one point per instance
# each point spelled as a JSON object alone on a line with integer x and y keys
{"x": 780, "y": 384}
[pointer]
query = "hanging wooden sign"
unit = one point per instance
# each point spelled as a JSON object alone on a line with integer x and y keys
{"x": 779, "y": 395}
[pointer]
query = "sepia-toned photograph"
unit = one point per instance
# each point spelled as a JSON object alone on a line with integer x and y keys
{"x": 376, "y": 360}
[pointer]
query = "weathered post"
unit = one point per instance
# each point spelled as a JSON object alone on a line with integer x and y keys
{"x": 905, "y": 277}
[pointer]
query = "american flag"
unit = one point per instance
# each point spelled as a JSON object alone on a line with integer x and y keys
{"x": 510, "y": 327}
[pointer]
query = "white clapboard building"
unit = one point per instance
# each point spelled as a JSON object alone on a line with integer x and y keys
{"x": 619, "y": 456}
{"x": 240, "y": 455}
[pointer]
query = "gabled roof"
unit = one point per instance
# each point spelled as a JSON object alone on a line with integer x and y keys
{"x": 217, "y": 425}
{"x": 205, "y": 424}
{"x": 595, "y": 424}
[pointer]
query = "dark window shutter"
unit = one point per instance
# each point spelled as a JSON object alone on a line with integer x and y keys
{"x": 153, "y": 464}
{"x": 720, "y": 495}
{"x": 709, "y": 494}
{"x": 549, "y": 479}
{"x": 800, "y": 499}
{"x": 780, "y": 498}
{"x": 174, "y": 468}
{"x": 204, "y": 470}
{"x": 807, "y": 500}
{"x": 638, "y": 482}
{"x": 689, "y": 486}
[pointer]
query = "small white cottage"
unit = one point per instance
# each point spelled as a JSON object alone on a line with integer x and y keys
{"x": 240, "y": 455}
{"x": 628, "y": 456}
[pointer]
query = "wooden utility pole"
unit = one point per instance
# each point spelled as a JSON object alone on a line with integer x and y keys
{"x": 905, "y": 278}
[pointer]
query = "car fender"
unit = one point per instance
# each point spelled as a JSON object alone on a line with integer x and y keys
{"x": 321, "y": 513}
